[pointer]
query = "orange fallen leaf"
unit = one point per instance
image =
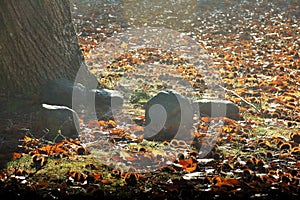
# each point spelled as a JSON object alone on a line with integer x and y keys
{"x": 116, "y": 131}
{"x": 105, "y": 181}
{"x": 206, "y": 119}
{"x": 16, "y": 156}
{"x": 102, "y": 123}
{"x": 117, "y": 158}
{"x": 130, "y": 158}
{"x": 242, "y": 109}
{"x": 192, "y": 168}
{"x": 96, "y": 177}
{"x": 188, "y": 164}
{"x": 2, "y": 175}
{"x": 111, "y": 124}
{"x": 27, "y": 139}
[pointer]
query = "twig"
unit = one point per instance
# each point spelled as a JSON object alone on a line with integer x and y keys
{"x": 244, "y": 100}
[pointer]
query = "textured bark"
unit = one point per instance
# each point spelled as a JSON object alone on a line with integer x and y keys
{"x": 37, "y": 43}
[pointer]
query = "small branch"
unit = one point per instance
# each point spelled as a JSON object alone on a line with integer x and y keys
{"x": 244, "y": 100}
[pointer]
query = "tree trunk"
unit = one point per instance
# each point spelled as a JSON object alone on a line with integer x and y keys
{"x": 37, "y": 43}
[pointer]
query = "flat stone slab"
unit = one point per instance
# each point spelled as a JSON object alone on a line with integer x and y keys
{"x": 217, "y": 108}
{"x": 61, "y": 121}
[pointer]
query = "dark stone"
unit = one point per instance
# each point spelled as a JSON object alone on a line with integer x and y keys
{"x": 103, "y": 101}
{"x": 168, "y": 115}
{"x": 108, "y": 97}
{"x": 64, "y": 92}
{"x": 217, "y": 108}
{"x": 59, "y": 118}
{"x": 60, "y": 92}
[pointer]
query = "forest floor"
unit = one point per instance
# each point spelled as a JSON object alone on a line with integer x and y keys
{"x": 247, "y": 52}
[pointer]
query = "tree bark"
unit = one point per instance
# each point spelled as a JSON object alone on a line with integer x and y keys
{"x": 37, "y": 43}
